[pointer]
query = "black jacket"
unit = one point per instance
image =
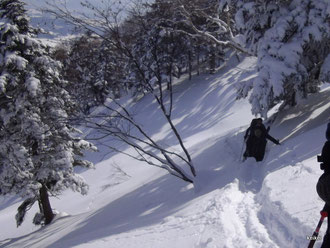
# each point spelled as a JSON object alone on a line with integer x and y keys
{"x": 264, "y": 134}
{"x": 256, "y": 139}
{"x": 325, "y": 155}
{"x": 323, "y": 184}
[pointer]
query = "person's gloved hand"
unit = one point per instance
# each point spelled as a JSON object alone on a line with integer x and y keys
{"x": 326, "y": 208}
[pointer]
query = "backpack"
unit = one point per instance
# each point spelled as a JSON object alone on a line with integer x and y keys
{"x": 257, "y": 132}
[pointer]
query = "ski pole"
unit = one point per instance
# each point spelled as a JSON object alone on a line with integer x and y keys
{"x": 324, "y": 214}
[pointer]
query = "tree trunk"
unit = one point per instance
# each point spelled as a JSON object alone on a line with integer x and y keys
{"x": 198, "y": 62}
{"x": 212, "y": 62}
{"x": 45, "y": 204}
{"x": 190, "y": 65}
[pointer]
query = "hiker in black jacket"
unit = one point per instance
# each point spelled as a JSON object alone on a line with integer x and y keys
{"x": 256, "y": 139}
{"x": 323, "y": 184}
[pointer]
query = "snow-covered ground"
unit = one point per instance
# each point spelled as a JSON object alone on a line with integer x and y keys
{"x": 232, "y": 204}
{"x": 57, "y": 29}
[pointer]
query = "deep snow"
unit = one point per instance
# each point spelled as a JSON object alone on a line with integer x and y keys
{"x": 272, "y": 203}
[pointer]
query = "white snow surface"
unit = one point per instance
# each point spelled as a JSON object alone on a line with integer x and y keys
{"x": 232, "y": 204}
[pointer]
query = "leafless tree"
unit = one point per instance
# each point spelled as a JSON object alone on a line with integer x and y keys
{"x": 117, "y": 121}
{"x": 205, "y": 19}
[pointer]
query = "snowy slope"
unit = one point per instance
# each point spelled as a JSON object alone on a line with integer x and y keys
{"x": 232, "y": 204}
{"x": 56, "y": 28}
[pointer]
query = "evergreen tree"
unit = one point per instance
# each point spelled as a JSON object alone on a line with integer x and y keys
{"x": 38, "y": 147}
{"x": 292, "y": 42}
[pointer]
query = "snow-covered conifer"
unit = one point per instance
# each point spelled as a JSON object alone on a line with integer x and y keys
{"x": 291, "y": 39}
{"x": 38, "y": 147}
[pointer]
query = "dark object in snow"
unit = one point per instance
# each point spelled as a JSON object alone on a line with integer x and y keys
{"x": 23, "y": 208}
{"x": 324, "y": 159}
{"x": 323, "y": 184}
{"x": 256, "y": 139}
{"x": 39, "y": 219}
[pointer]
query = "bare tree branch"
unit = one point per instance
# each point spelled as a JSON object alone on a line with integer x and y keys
{"x": 118, "y": 122}
{"x": 223, "y": 27}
